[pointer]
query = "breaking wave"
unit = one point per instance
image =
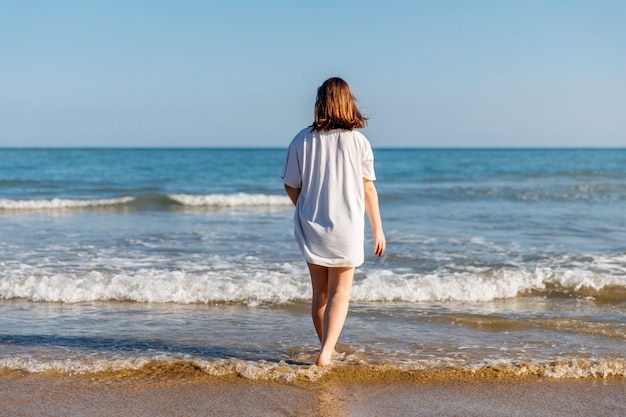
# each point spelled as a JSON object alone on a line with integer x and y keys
{"x": 231, "y": 200}
{"x": 222, "y": 201}
{"x": 59, "y": 203}
{"x": 254, "y": 284}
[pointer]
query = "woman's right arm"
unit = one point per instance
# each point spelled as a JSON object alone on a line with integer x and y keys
{"x": 373, "y": 213}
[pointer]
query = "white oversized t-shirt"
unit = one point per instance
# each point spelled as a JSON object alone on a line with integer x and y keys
{"x": 328, "y": 168}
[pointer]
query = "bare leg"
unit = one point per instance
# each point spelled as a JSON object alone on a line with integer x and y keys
{"x": 333, "y": 302}
{"x": 319, "y": 281}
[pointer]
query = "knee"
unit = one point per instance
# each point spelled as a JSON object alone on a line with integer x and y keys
{"x": 320, "y": 298}
{"x": 339, "y": 293}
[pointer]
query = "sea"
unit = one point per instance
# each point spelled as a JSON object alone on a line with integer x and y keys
{"x": 122, "y": 260}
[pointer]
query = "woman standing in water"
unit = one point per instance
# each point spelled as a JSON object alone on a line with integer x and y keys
{"x": 329, "y": 174}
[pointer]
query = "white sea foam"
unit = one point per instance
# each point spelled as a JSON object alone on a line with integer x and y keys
{"x": 70, "y": 366}
{"x": 384, "y": 285}
{"x": 231, "y": 200}
{"x": 254, "y": 370}
{"x": 59, "y": 203}
{"x": 284, "y": 371}
{"x": 579, "y": 368}
{"x": 254, "y": 284}
{"x": 156, "y": 286}
{"x": 209, "y": 200}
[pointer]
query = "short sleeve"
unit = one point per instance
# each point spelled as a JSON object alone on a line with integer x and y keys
{"x": 367, "y": 163}
{"x": 292, "y": 175}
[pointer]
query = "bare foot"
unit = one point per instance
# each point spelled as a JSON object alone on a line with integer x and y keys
{"x": 325, "y": 359}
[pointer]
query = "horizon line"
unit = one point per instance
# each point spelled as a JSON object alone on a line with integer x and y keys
{"x": 268, "y": 148}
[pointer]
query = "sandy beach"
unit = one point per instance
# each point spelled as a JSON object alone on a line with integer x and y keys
{"x": 336, "y": 394}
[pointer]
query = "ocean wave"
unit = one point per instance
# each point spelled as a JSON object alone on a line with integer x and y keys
{"x": 289, "y": 371}
{"x": 155, "y": 286}
{"x": 221, "y": 201}
{"x": 60, "y": 203}
{"x": 488, "y": 285}
{"x": 253, "y": 284}
{"x": 231, "y": 200}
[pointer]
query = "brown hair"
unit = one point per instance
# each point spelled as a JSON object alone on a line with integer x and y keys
{"x": 335, "y": 107}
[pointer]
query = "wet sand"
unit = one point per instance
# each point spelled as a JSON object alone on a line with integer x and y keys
{"x": 333, "y": 396}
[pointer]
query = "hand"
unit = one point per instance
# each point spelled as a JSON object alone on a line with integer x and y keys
{"x": 379, "y": 243}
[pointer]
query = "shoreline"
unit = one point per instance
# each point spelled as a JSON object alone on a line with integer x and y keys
{"x": 302, "y": 372}
{"x": 334, "y": 394}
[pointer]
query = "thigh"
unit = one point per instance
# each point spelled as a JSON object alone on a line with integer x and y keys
{"x": 319, "y": 278}
{"x": 340, "y": 279}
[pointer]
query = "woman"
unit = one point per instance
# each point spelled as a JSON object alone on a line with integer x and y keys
{"x": 328, "y": 174}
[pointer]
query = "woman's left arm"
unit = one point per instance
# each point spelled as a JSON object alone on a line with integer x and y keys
{"x": 293, "y": 193}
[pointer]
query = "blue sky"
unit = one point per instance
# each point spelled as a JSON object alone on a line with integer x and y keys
{"x": 244, "y": 73}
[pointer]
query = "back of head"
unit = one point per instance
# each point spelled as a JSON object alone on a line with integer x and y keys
{"x": 336, "y": 108}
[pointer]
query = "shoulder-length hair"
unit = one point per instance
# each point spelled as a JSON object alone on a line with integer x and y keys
{"x": 336, "y": 108}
